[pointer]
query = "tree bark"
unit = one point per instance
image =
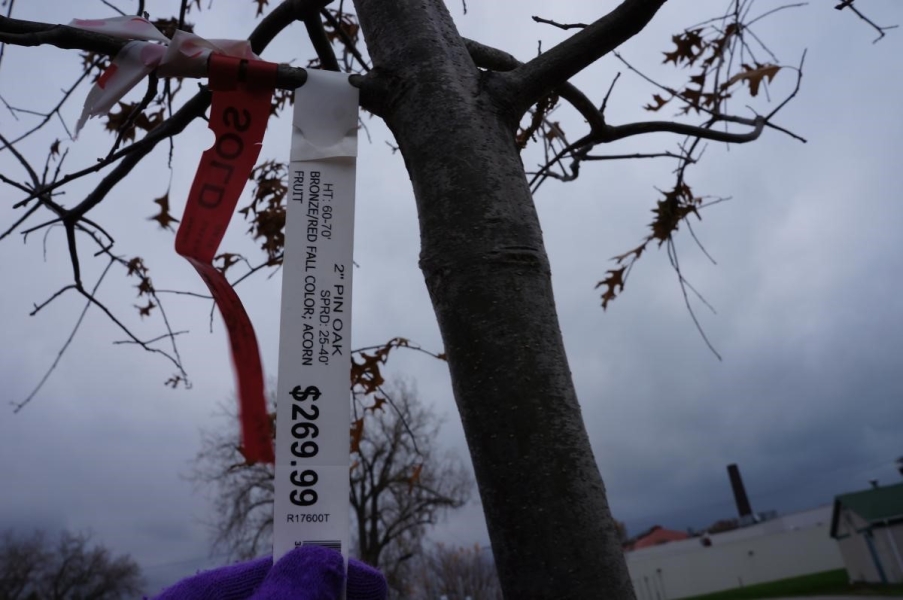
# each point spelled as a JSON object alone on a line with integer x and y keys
{"x": 488, "y": 276}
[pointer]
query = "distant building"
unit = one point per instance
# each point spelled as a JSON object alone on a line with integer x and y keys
{"x": 778, "y": 547}
{"x": 868, "y": 527}
{"x": 655, "y": 536}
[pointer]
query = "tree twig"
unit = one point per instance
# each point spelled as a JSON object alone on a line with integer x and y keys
{"x": 880, "y": 29}
{"x": 564, "y": 26}
{"x": 17, "y": 406}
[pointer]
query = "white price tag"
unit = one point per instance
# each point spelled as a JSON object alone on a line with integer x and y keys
{"x": 314, "y": 402}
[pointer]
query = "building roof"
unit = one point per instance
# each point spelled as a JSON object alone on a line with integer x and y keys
{"x": 875, "y": 505}
{"x": 659, "y": 535}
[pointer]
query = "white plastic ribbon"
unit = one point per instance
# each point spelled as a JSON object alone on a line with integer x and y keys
{"x": 183, "y": 56}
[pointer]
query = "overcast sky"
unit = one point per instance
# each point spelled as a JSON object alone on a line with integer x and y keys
{"x": 807, "y": 292}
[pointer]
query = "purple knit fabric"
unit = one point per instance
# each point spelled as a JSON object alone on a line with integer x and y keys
{"x": 306, "y": 573}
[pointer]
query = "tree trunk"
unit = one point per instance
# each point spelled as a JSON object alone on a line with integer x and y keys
{"x": 488, "y": 276}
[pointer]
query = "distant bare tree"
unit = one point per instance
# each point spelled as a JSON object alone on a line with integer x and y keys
{"x": 456, "y": 574}
{"x": 242, "y": 493}
{"x": 398, "y": 468}
{"x": 401, "y": 484}
{"x": 32, "y": 568}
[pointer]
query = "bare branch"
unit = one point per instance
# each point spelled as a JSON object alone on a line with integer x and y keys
{"x": 153, "y": 340}
{"x": 144, "y": 345}
{"x": 9, "y": 12}
{"x": 55, "y": 111}
{"x": 113, "y": 7}
{"x": 631, "y": 156}
{"x": 672, "y": 256}
{"x": 17, "y": 406}
{"x": 184, "y": 293}
{"x": 704, "y": 132}
{"x": 321, "y": 43}
{"x": 21, "y": 220}
{"x": 129, "y": 123}
{"x": 554, "y": 67}
{"x": 772, "y": 11}
{"x": 610, "y": 133}
{"x": 183, "y": 10}
{"x": 881, "y": 30}
{"x": 564, "y": 26}
{"x": 30, "y": 33}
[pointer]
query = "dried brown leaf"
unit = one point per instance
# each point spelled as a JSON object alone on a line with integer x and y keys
{"x": 163, "y": 217}
{"x": 754, "y": 76}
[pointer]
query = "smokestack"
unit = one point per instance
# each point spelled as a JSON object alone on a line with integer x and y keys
{"x": 740, "y": 497}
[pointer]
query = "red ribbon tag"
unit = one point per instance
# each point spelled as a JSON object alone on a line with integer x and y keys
{"x": 242, "y": 93}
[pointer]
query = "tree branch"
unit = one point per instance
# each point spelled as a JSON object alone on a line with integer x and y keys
{"x": 880, "y": 29}
{"x": 30, "y": 33}
{"x": 18, "y": 406}
{"x": 564, "y": 26}
{"x": 349, "y": 44}
{"x": 551, "y": 69}
{"x": 321, "y": 43}
{"x": 488, "y": 57}
{"x": 619, "y": 132}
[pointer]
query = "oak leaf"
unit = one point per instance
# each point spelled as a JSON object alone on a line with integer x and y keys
{"x": 145, "y": 311}
{"x": 164, "y": 217}
{"x": 677, "y": 205}
{"x": 149, "y": 121}
{"x": 136, "y": 267}
{"x": 96, "y": 63}
{"x": 228, "y": 259}
{"x": 689, "y": 46}
{"x": 659, "y": 102}
{"x": 377, "y": 405}
{"x": 118, "y": 122}
{"x": 754, "y": 76}
{"x": 281, "y": 97}
{"x": 145, "y": 288}
{"x": 266, "y": 212}
{"x": 614, "y": 283}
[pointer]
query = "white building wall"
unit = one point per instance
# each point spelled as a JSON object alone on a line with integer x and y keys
{"x": 860, "y": 563}
{"x": 808, "y": 518}
{"x": 857, "y": 559}
{"x": 889, "y": 546}
{"x": 753, "y": 558}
